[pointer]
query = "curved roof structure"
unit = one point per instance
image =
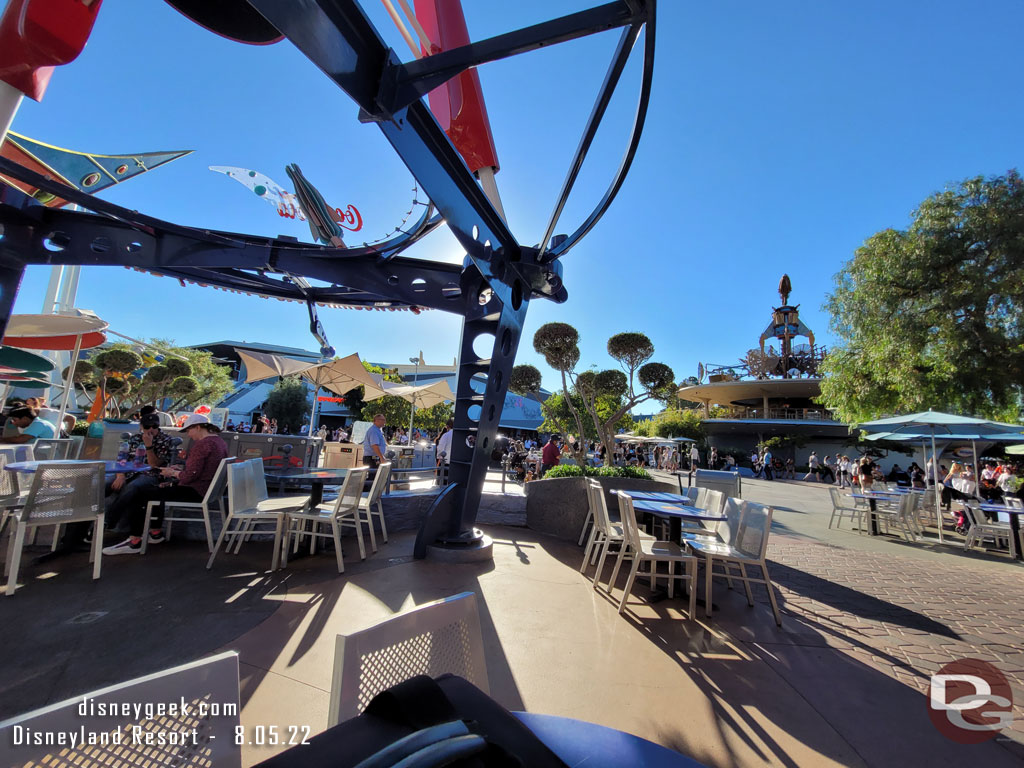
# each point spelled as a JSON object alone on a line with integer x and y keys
{"x": 747, "y": 391}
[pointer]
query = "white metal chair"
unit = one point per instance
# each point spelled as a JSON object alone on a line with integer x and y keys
{"x": 55, "y": 449}
{"x": 654, "y": 552}
{"x": 982, "y": 528}
{"x": 247, "y": 488}
{"x": 843, "y": 505}
{"x": 343, "y": 512}
{"x": 371, "y": 506}
{"x": 202, "y": 685}
{"x": 749, "y": 548}
{"x": 431, "y": 639}
{"x": 59, "y": 494}
{"x": 12, "y": 495}
{"x": 214, "y": 498}
{"x": 607, "y": 533}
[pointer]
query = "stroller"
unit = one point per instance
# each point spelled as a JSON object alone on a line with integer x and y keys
{"x": 516, "y": 466}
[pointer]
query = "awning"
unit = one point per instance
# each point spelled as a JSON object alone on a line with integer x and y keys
{"x": 259, "y": 365}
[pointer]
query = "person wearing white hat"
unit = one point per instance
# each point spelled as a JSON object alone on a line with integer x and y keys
{"x": 190, "y": 483}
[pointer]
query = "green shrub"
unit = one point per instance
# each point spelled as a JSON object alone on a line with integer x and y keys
{"x": 571, "y": 470}
{"x": 563, "y": 470}
{"x": 81, "y": 428}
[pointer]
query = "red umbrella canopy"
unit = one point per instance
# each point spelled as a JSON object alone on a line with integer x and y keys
{"x": 55, "y": 332}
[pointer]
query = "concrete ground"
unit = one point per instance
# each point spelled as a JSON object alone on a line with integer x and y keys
{"x": 843, "y": 682}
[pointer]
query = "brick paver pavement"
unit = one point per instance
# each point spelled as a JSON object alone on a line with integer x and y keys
{"x": 904, "y": 615}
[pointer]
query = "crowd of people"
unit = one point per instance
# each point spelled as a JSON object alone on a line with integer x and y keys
{"x": 260, "y": 424}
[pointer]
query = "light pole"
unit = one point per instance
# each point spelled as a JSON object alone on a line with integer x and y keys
{"x": 416, "y": 378}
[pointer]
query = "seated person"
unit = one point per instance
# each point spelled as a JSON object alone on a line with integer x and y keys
{"x": 123, "y": 487}
{"x": 190, "y": 483}
{"x": 50, "y": 414}
{"x": 32, "y": 428}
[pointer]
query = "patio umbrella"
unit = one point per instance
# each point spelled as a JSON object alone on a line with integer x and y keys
{"x": 76, "y": 332}
{"x": 422, "y": 395}
{"x": 13, "y": 360}
{"x": 340, "y": 376}
{"x": 259, "y": 365}
{"x": 927, "y": 424}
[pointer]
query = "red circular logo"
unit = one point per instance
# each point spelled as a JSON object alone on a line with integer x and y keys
{"x": 970, "y": 701}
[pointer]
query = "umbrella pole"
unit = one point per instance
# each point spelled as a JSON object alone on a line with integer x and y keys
{"x": 938, "y": 497}
{"x": 69, "y": 383}
{"x": 312, "y": 414}
{"x": 412, "y": 417}
{"x": 7, "y": 391}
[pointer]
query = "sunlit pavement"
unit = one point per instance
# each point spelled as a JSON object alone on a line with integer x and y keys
{"x": 842, "y": 683}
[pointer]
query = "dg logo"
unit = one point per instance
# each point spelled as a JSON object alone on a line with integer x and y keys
{"x": 970, "y": 701}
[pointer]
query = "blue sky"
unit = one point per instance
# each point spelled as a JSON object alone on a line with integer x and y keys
{"x": 780, "y": 137}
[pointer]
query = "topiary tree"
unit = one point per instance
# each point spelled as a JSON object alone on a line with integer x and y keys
{"x": 558, "y": 343}
{"x": 607, "y": 395}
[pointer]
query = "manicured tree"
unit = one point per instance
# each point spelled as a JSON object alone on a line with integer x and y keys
{"x": 288, "y": 402}
{"x": 558, "y": 343}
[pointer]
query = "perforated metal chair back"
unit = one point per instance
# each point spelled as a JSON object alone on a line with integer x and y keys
{"x": 432, "y": 639}
{"x": 755, "y": 523}
{"x": 61, "y": 493}
{"x": 700, "y": 500}
{"x": 209, "y": 689}
{"x": 351, "y": 492}
{"x": 729, "y": 530}
{"x": 9, "y": 489}
{"x": 55, "y": 449}
{"x": 1014, "y": 502}
{"x": 19, "y": 452}
{"x": 713, "y": 501}
{"x": 630, "y": 530}
{"x": 380, "y": 482}
{"x": 215, "y": 493}
{"x": 598, "y": 505}
{"x": 241, "y": 494}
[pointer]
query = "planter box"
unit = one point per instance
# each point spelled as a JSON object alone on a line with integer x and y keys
{"x": 559, "y": 506}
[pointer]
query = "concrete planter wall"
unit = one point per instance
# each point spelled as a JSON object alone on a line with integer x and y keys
{"x": 559, "y": 506}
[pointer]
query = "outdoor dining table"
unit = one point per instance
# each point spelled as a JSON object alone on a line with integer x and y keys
{"x": 873, "y": 497}
{"x": 675, "y": 513}
{"x": 109, "y": 467}
{"x": 317, "y": 477}
{"x": 1014, "y": 514}
{"x": 671, "y": 498}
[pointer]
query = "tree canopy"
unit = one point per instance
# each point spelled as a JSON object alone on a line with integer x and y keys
{"x": 289, "y": 403}
{"x": 932, "y": 316}
{"x": 607, "y": 395}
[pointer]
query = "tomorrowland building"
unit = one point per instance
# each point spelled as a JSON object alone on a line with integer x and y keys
{"x": 771, "y": 392}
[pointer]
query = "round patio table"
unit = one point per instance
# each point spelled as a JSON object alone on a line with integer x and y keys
{"x": 873, "y": 497}
{"x": 109, "y": 467}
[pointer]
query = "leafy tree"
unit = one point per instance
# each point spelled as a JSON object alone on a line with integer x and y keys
{"x": 672, "y": 423}
{"x": 607, "y": 395}
{"x": 289, "y": 403}
{"x": 931, "y": 316}
{"x": 559, "y": 344}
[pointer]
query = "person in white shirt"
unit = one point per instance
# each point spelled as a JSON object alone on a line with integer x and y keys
{"x": 694, "y": 458}
{"x": 444, "y": 444}
{"x": 813, "y": 465}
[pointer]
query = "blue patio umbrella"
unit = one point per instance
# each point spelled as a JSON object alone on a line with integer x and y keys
{"x": 929, "y": 424}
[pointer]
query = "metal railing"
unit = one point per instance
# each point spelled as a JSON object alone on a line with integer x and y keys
{"x": 794, "y": 414}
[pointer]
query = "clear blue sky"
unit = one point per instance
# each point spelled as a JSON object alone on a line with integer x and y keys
{"x": 780, "y": 136}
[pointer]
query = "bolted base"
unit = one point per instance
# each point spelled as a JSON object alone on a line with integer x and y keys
{"x": 474, "y": 548}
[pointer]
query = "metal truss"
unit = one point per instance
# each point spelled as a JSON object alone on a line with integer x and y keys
{"x": 491, "y": 291}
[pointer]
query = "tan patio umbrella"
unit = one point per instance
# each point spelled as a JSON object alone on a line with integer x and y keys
{"x": 341, "y": 376}
{"x": 421, "y": 395}
{"x": 259, "y": 365}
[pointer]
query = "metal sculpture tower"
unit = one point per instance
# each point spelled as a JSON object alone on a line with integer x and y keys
{"x": 491, "y": 291}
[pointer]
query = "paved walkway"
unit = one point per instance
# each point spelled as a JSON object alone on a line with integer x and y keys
{"x": 903, "y": 608}
{"x": 866, "y": 620}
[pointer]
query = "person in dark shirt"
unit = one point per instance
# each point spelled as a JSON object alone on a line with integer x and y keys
{"x": 190, "y": 483}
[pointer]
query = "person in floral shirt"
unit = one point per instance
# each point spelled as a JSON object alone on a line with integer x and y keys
{"x": 124, "y": 488}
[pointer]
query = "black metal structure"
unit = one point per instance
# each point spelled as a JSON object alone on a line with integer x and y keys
{"x": 491, "y": 291}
